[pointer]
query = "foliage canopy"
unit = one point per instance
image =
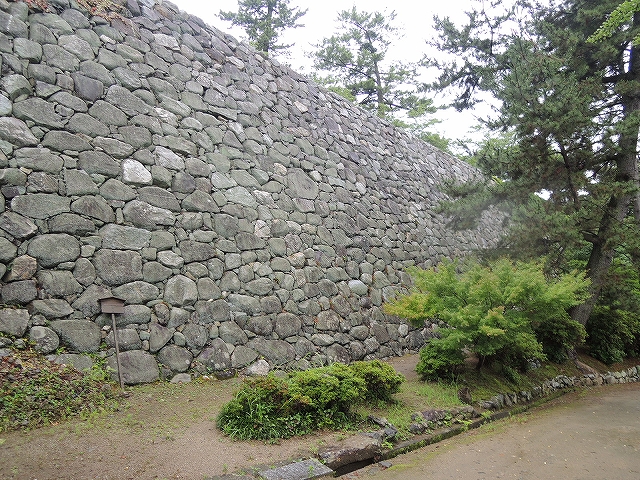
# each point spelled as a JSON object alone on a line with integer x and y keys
{"x": 570, "y": 179}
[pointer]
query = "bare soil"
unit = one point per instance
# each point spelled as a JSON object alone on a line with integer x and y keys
{"x": 164, "y": 431}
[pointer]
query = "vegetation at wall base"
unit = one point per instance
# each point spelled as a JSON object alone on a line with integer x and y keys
{"x": 35, "y": 392}
{"x": 270, "y": 407}
{"x": 503, "y": 313}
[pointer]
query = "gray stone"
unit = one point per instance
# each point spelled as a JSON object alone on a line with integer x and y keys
{"x": 328, "y": 320}
{"x": 159, "y": 336}
{"x": 95, "y": 207}
{"x": 139, "y": 292}
{"x": 21, "y": 268}
{"x": 244, "y": 303}
{"x": 8, "y": 251}
{"x": 84, "y": 272}
{"x": 40, "y": 205}
{"x": 14, "y": 321}
{"x": 195, "y": 335}
{"x": 154, "y": 272}
{"x": 117, "y": 267}
{"x": 126, "y": 101}
{"x": 144, "y": 215}
{"x": 212, "y": 311}
{"x": 276, "y": 352}
{"x": 78, "y": 182}
{"x": 136, "y": 367}
{"x": 38, "y": 111}
{"x": 58, "y": 283}
{"x": 135, "y": 173}
{"x": 243, "y": 356}
{"x": 196, "y": 251}
{"x": 94, "y": 162}
{"x": 177, "y": 359}
{"x": 120, "y": 237}
{"x": 337, "y": 353}
{"x": 77, "y": 361}
{"x": 19, "y": 293}
{"x": 80, "y": 336}
{"x": 159, "y": 197}
{"x": 351, "y": 450}
{"x": 231, "y": 333}
{"x": 87, "y": 88}
{"x": 128, "y": 339}
{"x": 16, "y": 225}
{"x": 215, "y": 357}
{"x": 71, "y": 224}
{"x": 180, "y": 291}
{"x": 39, "y": 159}
{"x": 51, "y": 308}
{"x": 287, "y": 325}
{"x": 114, "y": 189}
{"x": 16, "y": 132}
{"x": 44, "y": 339}
{"x": 300, "y": 470}
{"x": 138, "y": 314}
{"x": 62, "y": 141}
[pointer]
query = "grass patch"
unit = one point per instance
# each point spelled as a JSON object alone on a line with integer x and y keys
{"x": 35, "y": 392}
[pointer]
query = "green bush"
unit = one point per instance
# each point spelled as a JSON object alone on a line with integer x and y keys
{"x": 504, "y": 313}
{"x": 271, "y": 407}
{"x": 440, "y": 359}
{"x": 35, "y": 392}
{"x": 381, "y": 380}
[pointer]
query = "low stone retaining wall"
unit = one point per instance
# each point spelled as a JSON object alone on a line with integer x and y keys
{"x": 559, "y": 383}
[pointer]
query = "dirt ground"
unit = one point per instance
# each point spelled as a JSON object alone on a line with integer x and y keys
{"x": 165, "y": 431}
{"x": 168, "y": 432}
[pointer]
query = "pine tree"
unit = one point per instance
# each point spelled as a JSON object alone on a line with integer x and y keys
{"x": 356, "y": 59}
{"x": 573, "y": 108}
{"x": 264, "y": 21}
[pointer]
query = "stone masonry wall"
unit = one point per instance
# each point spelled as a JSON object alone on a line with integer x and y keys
{"x": 241, "y": 211}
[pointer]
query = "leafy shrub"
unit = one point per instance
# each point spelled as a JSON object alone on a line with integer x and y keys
{"x": 271, "y": 407}
{"x": 381, "y": 380}
{"x": 35, "y": 392}
{"x": 440, "y": 359}
{"x": 504, "y": 313}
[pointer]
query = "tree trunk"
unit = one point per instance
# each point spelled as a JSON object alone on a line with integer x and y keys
{"x": 624, "y": 199}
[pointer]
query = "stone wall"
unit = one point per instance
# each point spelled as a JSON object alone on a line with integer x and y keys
{"x": 240, "y": 210}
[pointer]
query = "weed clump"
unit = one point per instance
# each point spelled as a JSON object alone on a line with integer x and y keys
{"x": 269, "y": 407}
{"x": 35, "y": 392}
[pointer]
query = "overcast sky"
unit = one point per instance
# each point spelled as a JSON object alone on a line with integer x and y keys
{"x": 415, "y": 18}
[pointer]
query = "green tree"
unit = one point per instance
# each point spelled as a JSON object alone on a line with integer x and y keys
{"x": 264, "y": 21}
{"x": 621, "y": 16}
{"x": 573, "y": 108}
{"x": 356, "y": 59}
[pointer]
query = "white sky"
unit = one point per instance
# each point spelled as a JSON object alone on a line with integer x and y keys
{"x": 413, "y": 17}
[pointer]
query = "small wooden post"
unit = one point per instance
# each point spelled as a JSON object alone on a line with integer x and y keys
{"x": 114, "y": 305}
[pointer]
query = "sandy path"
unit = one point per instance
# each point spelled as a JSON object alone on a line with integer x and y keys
{"x": 580, "y": 436}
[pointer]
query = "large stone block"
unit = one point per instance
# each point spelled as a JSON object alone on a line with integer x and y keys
{"x": 80, "y": 336}
{"x": 117, "y": 267}
{"x": 136, "y": 366}
{"x": 14, "y": 321}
